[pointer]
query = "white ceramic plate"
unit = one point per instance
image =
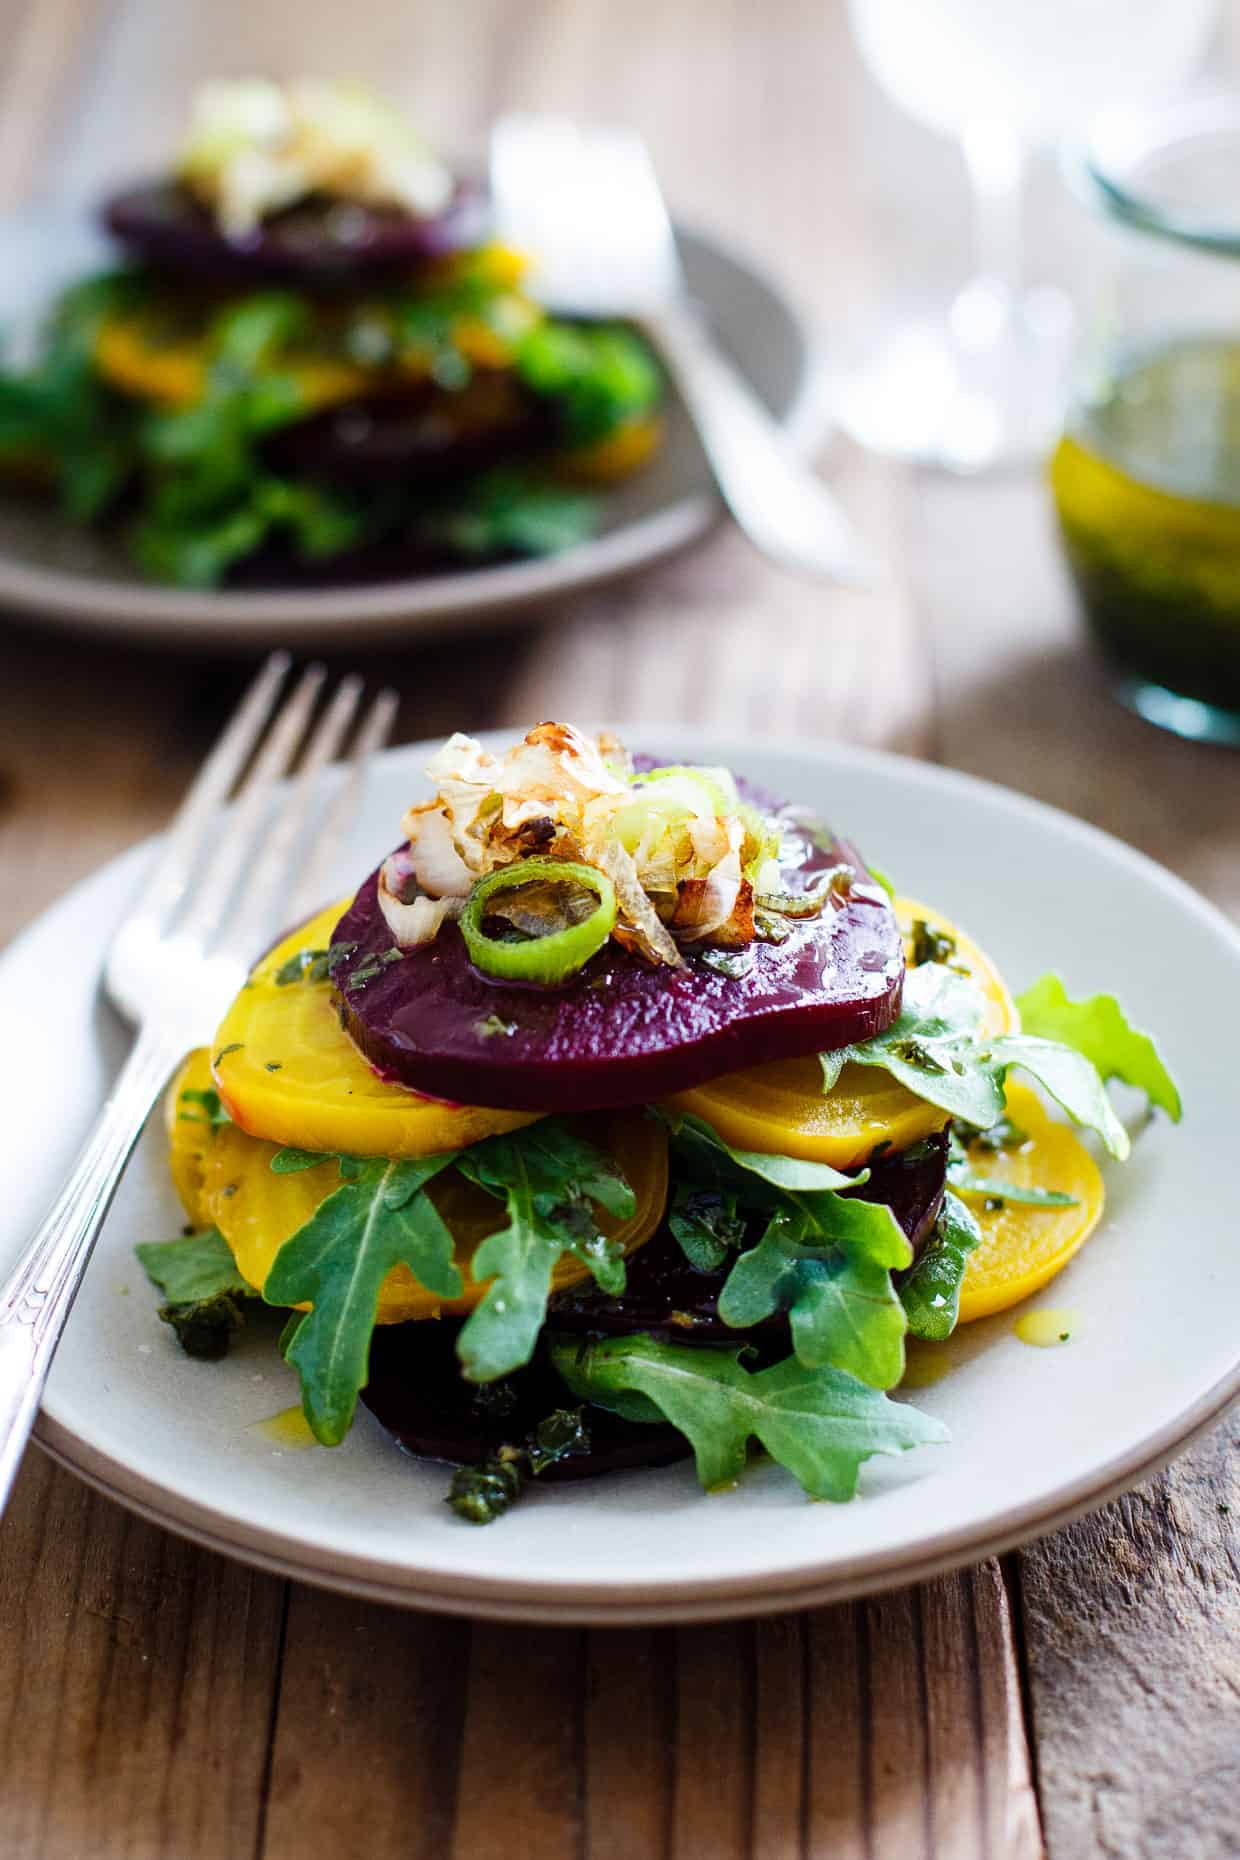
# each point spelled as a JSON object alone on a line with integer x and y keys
{"x": 72, "y": 577}
{"x": 1038, "y": 1435}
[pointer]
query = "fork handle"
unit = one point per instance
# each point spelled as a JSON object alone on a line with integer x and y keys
{"x": 38, "y": 1295}
{"x": 784, "y": 509}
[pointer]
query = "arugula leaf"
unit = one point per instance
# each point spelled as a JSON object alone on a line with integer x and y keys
{"x": 212, "y": 1109}
{"x": 706, "y": 1223}
{"x": 59, "y": 414}
{"x": 599, "y": 375}
{"x": 547, "y": 1177}
{"x": 827, "y": 1261}
{"x": 202, "y": 1288}
{"x": 183, "y": 537}
{"x": 824, "y": 1258}
{"x": 1000, "y": 1137}
{"x": 507, "y": 512}
{"x": 930, "y": 1293}
{"x": 378, "y": 1218}
{"x": 1098, "y": 1028}
{"x": 968, "y": 1183}
{"x": 819, "y": 1423}
{"x": 709, "y": 1157}
{"x": 196, "y": 1266}
{"x": 937, "y": 1049}
{"x": 290, "y": 1161}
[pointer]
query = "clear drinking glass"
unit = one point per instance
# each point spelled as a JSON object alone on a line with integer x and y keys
{"x": 980, "y": 382}
{"x": 1146, "y": 478}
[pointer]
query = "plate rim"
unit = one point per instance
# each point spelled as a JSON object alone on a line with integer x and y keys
{"x": 488, "y": 596}
{"x": 713, "y": 1599}
{"x": 753, "y": 1592}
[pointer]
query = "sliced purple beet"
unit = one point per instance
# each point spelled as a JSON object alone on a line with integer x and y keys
{"x": 664, "y": 1294}
{"x": 416, "y": 1391}
{"x": 622, "y": 1031}
{"x": 428, "y": 436}
{"x": 161, "y": 224}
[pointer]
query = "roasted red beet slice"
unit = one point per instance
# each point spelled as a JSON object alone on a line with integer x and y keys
{"x": 429, "y": 436}
{"x": 659, "y": 1279}
{"x": 318, "y": 241}
{"x": 417, "y": 1392}
{"x": 622, "y": 1031}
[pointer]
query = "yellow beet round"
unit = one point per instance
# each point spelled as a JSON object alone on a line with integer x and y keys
{"x": 190, "y": 1135}
{"x": 1023, "y": 1247}
{"x": 288, "y": 1073}
{"x": 257, "y": 1211}
{"x": 1000, "y": 1015}
{"x": 781, "y": 1109}
{"x": 619, "y": 455}
{"x": 174, "y": 374}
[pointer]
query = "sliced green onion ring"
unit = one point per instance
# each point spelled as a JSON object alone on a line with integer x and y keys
{"x": 551, "y": 958}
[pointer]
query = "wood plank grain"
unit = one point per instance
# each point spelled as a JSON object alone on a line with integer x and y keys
{"x": 520, "y": 1779}
{"x": 631, "y": 1736}
{"x": 96, "y": 747}
{"x": 137, "y": 1680}
{"x": 47, "y": 48}
{"x": 1132, "y": 1618}
{"x": 1132, "y": 1630}
{"x": 368, "y": 1734}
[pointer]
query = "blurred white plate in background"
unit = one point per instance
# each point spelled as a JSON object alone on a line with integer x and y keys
{"x": 69, "y": 577}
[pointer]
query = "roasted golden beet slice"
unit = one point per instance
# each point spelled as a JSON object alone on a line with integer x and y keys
{"x": 1024, "y": 1247}
{"x": 257, "y": 1210}
{"x": 781, "y": 1108}
{"x": 287, "y": 1073}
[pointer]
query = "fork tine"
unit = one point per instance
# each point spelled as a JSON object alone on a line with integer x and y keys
{"x": 274, "y": 857}
{"x": 214, "y": 890}
{"x": 166, "y": 886}
{"x": 312, "y": 880}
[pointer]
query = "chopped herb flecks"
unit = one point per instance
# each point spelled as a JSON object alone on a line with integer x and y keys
{"x": 480, "y": 1494}
{"x": 312, "y": 965}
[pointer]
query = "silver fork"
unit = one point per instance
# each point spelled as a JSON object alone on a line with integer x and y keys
{"x": 586, "y": 204}
{"x": 223, "y": 882}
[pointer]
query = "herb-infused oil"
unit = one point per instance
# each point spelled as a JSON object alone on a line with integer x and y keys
{"x": 1147, "y": 487}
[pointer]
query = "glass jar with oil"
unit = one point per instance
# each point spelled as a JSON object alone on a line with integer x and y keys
{"x": 1146, "y": 478}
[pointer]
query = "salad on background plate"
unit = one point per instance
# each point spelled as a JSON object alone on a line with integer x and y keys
{"x": 625, "y": 1115}
{"x": 313, "y": 367}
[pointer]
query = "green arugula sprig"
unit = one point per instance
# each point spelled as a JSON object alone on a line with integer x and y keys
{"x": 930, "y": 1293}
{"x": 202, "y": 1290}
{"x": 819, "y": 1423}
{"x": 379, "y": 1217}
{"x": 824, "y": 1258}
{"x": 597, "y": 375}
{"x": 60, "y": 417}
{"x": 548, "y": 1180}
{"x": 967, "y": 1181}
{"x": 937, "y": 1048}
{"x": 1098, "y": 1029}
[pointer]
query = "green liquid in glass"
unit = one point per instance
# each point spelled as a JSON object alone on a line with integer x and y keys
{"x": 1147, "y": 487}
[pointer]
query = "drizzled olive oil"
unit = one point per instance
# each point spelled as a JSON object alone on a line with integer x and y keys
{"x": 288, "y": 1429}
{"x": 1046, "y": 1328}
{"x": 1147, "y": 487}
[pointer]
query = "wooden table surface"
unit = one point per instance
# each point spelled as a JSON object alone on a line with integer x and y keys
{"x": 1084, "y": 1694}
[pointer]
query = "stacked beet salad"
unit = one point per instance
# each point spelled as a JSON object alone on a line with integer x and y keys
{"x": 313, "y": 364}
{"x": 624, "y": 1114}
